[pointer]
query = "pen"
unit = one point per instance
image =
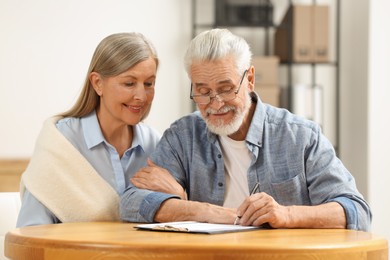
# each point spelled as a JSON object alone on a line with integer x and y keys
{"x": 252, "y": 192}
{"x": 254, "y": 188}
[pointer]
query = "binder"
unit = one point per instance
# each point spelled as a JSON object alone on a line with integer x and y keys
{"x": 195, "y": 227}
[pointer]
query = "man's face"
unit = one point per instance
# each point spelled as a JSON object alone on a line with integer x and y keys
{"x": 211, "y": 78}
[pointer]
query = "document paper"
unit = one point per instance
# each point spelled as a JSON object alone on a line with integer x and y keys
{"x": 195, "y": 227}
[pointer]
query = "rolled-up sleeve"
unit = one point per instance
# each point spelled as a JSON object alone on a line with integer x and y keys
{"x": 138, "y": 205}
{"x": 329, "y": 180}
{"x": 358, "y": 219}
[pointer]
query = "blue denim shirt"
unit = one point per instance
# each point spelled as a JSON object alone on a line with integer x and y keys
{"x": 291, "y": 159}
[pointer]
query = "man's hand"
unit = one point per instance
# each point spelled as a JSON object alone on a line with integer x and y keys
{"x": 155, "y": 178}
{"x": 260, "y": 208}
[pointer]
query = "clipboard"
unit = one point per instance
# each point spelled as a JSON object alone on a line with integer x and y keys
{"x": 195, "y": 227}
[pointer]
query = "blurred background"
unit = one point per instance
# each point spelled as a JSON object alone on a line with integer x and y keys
{"x": 46, "y": 47}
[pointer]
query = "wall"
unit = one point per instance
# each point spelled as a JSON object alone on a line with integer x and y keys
{"x": 353, "y": 86}
{"x": 378, "y": 117}
{"x": 45, "y": 52}
{"x": 364, "y": 103}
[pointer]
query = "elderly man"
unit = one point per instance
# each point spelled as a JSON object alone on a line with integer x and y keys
{"x": 218, "y": 154}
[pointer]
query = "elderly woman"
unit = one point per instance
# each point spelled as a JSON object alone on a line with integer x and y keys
{"x": 84, "y": 157}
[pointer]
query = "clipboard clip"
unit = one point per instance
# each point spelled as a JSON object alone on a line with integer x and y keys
{"x": 170, "y": 228}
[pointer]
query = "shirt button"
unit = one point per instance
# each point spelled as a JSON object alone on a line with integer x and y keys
{"x": 220, "y": 184}
{"x": 219, "y": 156}
{"x": 128, "y": 153}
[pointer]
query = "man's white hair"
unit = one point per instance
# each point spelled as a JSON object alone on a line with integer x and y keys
{"x": 216, "y": 44}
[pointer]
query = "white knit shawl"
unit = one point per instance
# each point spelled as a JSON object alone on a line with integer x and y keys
{"x": 61, "y": 178}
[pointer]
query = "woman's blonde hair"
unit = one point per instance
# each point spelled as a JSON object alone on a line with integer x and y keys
{"x": 114, "y": 55}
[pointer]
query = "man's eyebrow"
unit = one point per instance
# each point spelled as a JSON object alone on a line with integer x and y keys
{"x": 201, "y": 84}
{"x": 219, "y": 82}
{"x": 225, "y": 81}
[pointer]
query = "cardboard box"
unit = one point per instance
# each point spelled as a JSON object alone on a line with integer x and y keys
{"x": 301, "y": 29}
{"x": 269, "y": 94}
{"x": 308, "y": 39}
{"x": 321, "y": 33}
{"x": 266, "y": 70}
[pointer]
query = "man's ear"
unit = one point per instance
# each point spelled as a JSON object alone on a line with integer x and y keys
{"x": 96, "y": 82}
{"x": 251, "y": 77}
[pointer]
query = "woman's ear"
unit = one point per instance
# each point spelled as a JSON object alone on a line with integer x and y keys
{"x": 96, "y": 82}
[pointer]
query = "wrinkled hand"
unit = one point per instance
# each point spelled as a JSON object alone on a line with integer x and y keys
{"x": 261, "y": 208}
{"x": 220, "y": 215}
{"x": 155, "y": 178}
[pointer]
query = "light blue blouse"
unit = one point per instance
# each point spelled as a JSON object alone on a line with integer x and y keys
{"x": 85, "y": 134}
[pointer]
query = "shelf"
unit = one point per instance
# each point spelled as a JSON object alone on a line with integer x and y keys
{"x": 261, "y": 43}
{"x": 335, "y": 63}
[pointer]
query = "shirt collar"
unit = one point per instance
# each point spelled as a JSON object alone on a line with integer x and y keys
{"x": 93, "y": 134}
{"x": 91, "y": 129}
{"x": 255, "y": 132}
{"x": 137, "y": 137}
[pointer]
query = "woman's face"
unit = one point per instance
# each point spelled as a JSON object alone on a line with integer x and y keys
{"x": 126, "y": 99}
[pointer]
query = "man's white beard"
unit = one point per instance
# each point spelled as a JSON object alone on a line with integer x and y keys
{"x": 218, "y": 127}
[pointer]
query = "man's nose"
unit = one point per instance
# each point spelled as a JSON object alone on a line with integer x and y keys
{"x": 216, "y": 102}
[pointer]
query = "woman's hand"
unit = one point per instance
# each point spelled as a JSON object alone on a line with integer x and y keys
{"x": 155, "y": 178}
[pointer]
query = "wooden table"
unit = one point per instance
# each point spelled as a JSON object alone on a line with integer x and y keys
{"x": 105, "y": 240}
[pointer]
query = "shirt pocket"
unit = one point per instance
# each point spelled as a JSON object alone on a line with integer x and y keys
{"x": 292, "y": 191}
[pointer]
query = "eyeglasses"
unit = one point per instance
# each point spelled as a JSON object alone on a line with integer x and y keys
{"x": 222, "y": 97}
